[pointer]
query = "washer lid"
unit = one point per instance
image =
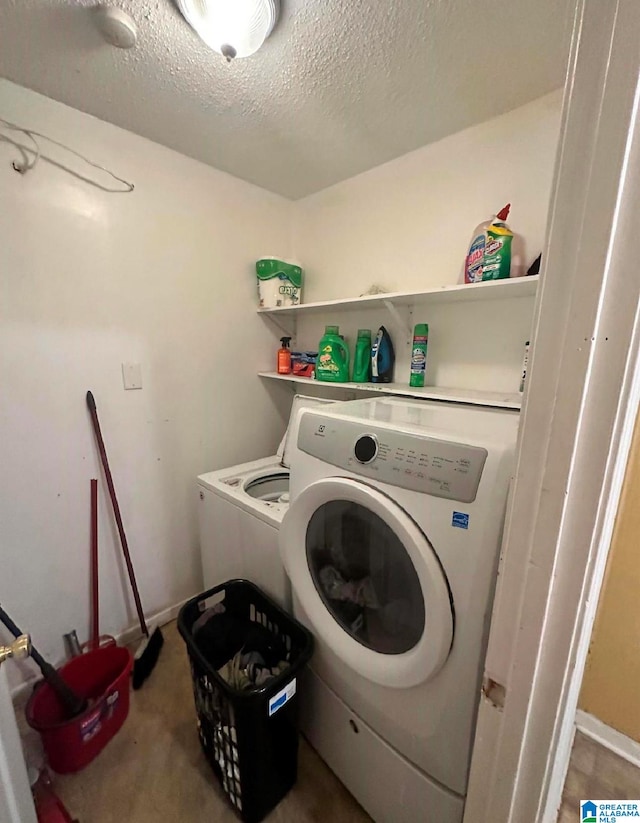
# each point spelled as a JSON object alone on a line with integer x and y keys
{"x": 369, "y": 581}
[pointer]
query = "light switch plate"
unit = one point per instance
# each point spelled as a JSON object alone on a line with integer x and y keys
{"x": 132, "y": 375}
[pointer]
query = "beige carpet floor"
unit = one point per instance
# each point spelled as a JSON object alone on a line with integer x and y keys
{"x": 154, "y": 770}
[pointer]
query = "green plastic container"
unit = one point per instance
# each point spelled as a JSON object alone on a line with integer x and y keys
{"x": 332, "y": 365}
{"x": 362, "y": 357}
{"x": 419, "y": 355}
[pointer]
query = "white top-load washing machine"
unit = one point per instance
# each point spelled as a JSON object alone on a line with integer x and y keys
{"x": 239, "y": 513}
{"x": 391, "y": 543}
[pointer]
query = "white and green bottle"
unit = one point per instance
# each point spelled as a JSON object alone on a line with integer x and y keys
{"x": 419, "y": 355}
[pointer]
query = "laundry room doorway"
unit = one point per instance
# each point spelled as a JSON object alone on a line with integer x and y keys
{"x": 16, "y": 803}
{"x": 577, "y": 422}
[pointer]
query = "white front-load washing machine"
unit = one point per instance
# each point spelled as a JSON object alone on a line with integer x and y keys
{"x": 391, "y": 543}
{"x": 239, "y": 513}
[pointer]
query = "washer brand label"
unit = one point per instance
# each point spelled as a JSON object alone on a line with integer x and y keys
{"x": 283, "y": 696}
{"x": 460, "y": 520}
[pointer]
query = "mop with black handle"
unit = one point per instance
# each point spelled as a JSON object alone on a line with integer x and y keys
{"x": 73, "y": 703}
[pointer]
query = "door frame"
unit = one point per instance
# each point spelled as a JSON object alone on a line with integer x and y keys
{"x": 16, "y": 802}
{"x": 577, "y": 421}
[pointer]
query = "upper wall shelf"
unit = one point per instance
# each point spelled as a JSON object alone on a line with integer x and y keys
{"x": 491, "y": 290}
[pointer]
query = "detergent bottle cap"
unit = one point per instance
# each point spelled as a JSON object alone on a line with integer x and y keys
{"x": 285, "y": 342}
{"x": 332, "y": 330}
{"x": 504, "y": 213}
{"x": 364, "y": 333}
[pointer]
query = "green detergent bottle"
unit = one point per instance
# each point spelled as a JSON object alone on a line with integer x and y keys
{"x": 362, "y": 357}
{"x": 332, "y": 365}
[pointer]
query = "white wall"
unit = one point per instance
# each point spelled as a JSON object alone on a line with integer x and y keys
{"x": 164, "y": 277}
{"x": 406, "y": 226}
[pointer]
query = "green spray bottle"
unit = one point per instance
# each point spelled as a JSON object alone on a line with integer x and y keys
{"x": 362, "y": 357}
{"x": 419, "y": 355}
{"x": 332, "y": 365}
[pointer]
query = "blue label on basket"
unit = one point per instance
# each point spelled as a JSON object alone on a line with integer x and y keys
{"x": 283, "y": 696}
{"x": 460, "y": 520}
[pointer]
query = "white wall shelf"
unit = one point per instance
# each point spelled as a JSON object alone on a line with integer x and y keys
{"x": 504, "y": 400}
{"x": 490, "y": 290}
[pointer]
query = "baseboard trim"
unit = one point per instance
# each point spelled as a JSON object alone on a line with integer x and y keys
{"x": 133, "y": 633}
{"x": 130, "y": 635}
{"x": 608, "y": 737}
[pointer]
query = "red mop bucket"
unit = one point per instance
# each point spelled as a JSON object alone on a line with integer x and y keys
{"x": 102, "y": 676}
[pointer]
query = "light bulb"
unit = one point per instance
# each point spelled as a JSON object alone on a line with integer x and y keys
{"x": 234, "y": 28}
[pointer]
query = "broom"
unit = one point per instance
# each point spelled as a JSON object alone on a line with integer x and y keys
{"x": 148, "y": 651}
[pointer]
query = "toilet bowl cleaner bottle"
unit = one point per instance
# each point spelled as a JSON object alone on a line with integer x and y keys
{"x": 332, "y": 365}
{"x": 495, "y": 252}
{"x": 498, "y": 251}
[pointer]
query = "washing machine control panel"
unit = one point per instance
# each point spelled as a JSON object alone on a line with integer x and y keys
{"x": 430, "y": 465}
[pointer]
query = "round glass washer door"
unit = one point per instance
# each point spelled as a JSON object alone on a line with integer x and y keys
{"x": 369, "y": 581}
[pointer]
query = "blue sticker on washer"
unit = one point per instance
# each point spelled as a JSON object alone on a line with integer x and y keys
{"x": 460, "y": 520}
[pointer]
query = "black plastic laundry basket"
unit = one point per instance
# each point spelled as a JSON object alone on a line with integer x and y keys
{"x": 250, "y": 737}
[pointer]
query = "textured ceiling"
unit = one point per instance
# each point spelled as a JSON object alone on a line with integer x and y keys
{"x": 339, "y": 87}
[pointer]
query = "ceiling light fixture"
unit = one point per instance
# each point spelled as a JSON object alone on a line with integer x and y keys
{"x": 234, "y": 28}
